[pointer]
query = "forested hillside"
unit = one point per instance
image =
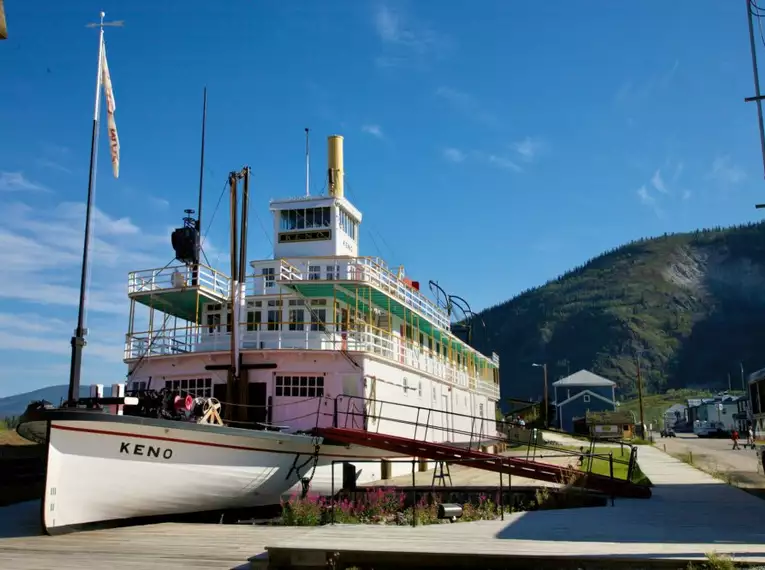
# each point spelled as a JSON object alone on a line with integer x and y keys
{"x": 693, "y": 303}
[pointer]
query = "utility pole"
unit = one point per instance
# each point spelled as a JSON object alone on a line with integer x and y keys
{"x": 757, "y": 95}
{"x": 640, "y": 394}
{"x": 547, "y": 407}
{"x": 743, "y": 382}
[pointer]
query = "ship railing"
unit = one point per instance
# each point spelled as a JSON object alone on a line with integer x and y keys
{"x": 358, "y": 269}
{"x": 308, "y": 336}
{"x": 178, "y": 277}
{"x": 424, "y": 423}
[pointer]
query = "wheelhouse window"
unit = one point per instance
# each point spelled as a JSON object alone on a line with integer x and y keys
{"x": 299, "y": 386}
{"x": 314, "y": 272}
{"x": 348, "y": 224}
{"x": 304, "y": 218}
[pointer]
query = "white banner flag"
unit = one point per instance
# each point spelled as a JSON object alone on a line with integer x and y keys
{"x": 114, "y": 141}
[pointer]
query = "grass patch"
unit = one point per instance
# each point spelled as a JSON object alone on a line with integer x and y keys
{"x": 600, "y": 463}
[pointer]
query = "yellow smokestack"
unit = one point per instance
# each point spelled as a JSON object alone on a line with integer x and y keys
{"x": 335, "y": 165}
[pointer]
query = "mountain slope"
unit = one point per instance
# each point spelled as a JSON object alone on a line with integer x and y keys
{"x": 695, "y": 303}
{"x": 15, "y": 405}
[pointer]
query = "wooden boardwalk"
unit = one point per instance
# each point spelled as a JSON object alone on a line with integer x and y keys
{"x": 690, "y": 514}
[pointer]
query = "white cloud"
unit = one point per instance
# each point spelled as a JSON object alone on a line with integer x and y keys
{"x": 631, "y": 92}
{"x": 31, "y": 332}
{"x": 529, "y": 148}
{"x": 404, "y": 39}
{"x": 458, "y": 156}
{"x": 726, "y": 172}
{"x": 645, "y": 197}
{"x": 53, "y": 165}
{"x": 658, "y": 183}
{"x": 17, "y": 182}
{"x": 158, "y": 202}
{"x": 466, "y": 104}
{"x": 649, "y": 201}
{"x": 373, "y": 130}
{"x": 41, "y": 255}
{"x": 503, "y": 162}
{"x": 454, "y": 155}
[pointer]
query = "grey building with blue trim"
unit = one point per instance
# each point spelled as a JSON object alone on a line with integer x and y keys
{"x": 579, "y": 393}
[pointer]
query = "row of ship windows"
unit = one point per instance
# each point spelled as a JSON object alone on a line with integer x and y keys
{"x": 287, "y": 386}
{"x": 284, "y": 386}
{"x": 313, "y": 318}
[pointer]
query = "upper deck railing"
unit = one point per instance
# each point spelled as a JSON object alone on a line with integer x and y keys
{"x": 369, "y": 339}
{"x": 349, "y": 269}
{"x": 178, "y": 277}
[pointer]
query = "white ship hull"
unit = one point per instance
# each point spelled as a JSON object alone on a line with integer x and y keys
{"x": 101, "y": 471}
{"x": 104, "y": 469}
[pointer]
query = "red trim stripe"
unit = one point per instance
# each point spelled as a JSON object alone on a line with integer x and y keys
{"x": 189, "y": 442}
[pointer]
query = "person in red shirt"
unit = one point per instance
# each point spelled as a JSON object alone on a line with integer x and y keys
{"x": 734, "y": 437}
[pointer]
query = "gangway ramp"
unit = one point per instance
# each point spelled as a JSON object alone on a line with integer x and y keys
{"x": 486, "y": 461}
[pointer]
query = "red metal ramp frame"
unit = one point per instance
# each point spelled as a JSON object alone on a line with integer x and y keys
{"x": 487, "y": 461}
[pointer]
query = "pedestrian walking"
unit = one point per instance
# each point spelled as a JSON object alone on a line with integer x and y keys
{"x": 734, "y": 437}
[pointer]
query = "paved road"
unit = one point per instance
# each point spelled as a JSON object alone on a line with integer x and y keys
{"x": 717, "y": 455}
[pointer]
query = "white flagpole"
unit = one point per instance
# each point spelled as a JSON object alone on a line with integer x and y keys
{"x": 78, "y": 340}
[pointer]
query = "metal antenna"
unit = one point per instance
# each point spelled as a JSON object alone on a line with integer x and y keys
{"x": 101, "y": 24}
{"x": 307, "y": 163}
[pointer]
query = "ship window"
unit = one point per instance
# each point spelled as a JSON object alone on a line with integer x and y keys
{"x": 195, "y": 387}
{"x": 314, "y": 272}
{"x": 268, "y": 275}
{"x": 348, "y": 224}
{"x": 318, "y": 319}
{"x": 273, "y": 320}
{"x": 299, "y": 386}
{"x": 332, "y": 274}
{"x": 296, "y": 302}
{"x": 253, "y": 320}
{"x": 213, "y": 322}
{"x": 296, "y": 319}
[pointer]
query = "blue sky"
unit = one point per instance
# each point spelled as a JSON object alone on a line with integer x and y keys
{"x": 490, "y": 146}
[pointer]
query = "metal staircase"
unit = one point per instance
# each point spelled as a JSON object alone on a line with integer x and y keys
{"x": 469, "y": 453}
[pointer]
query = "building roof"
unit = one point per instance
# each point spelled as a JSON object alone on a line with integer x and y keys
{"x": 584, "y": 378}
